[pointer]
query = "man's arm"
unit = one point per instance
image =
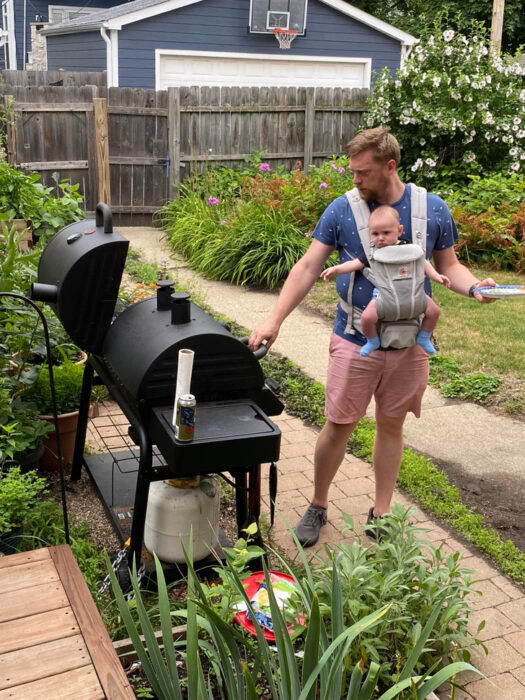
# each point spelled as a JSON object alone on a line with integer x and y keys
{"x": 460, "y": 277}
{"x": 300, "y": 280}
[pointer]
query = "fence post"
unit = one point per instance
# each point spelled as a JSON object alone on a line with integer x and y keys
{"x": 100, "y": 118}
{"x": 91, "y": 155}
{"x": 9, "y": 102}
{"x": 309, "y": 122}
{"x": 173, "y": 139}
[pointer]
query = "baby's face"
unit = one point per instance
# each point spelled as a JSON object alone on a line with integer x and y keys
{"x": 384, "y": 229}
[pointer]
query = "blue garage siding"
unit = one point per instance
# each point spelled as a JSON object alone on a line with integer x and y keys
{"x": 221, "y": 25}
{"x": 85, "y": 51}
{"x": 40, "y": 7}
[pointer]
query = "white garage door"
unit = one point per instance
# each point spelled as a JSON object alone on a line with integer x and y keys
{"x": 192, "y": 68}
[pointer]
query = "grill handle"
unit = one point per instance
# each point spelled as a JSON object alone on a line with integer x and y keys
{"x": 261, "y": 350}
{"x": 103, "y": 216}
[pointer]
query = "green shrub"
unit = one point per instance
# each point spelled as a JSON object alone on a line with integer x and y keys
{"x": 18, "y": 494}
{"x": 456, "y": 108}
{"x": 68, "y": 385}
{"x": 48, "y": 209}
{"x": 252, "y": 226}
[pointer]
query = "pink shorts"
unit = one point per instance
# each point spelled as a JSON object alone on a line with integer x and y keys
{"x": 396, "y": 378}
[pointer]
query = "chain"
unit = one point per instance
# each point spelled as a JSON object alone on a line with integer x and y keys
{"x": 140, "y": 574}
{"x": 106, "y": 583}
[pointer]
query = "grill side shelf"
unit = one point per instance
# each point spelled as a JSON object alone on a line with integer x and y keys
{"x": 228, "y": 435}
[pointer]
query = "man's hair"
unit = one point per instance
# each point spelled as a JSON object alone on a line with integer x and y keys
{"x": 386, "y": 208}
{"x": 380, "y": 141}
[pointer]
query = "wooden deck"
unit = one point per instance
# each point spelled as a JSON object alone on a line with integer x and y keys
{"x": 53, "y": 643}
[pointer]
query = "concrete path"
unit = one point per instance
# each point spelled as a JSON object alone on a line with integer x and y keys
{"x": 304, "y": 339}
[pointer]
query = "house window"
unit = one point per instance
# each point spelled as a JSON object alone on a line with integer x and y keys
{"x": 62, "y": 13}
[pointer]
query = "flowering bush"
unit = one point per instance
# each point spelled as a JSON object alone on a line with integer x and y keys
{"x": 456, "y": 109}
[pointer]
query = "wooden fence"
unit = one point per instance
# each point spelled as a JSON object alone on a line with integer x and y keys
{"x": 52, "y": 77}
{"x": 132, "y": 147}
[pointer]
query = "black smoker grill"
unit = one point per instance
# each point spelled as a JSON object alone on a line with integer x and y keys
{"x": 135, "y": 355}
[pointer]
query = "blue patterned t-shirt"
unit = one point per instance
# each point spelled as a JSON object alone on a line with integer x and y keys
{"x": 337, "y": 228}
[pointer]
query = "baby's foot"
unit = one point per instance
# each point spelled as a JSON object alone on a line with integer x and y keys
{"x": 371, "y": 345}
{"x": 423, "y": 339}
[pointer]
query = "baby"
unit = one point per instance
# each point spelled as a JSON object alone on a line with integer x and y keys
{"x": 385, "y": 229}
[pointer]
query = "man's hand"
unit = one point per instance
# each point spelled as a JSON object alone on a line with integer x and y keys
{"x": 489, "y": 282}
{"x": 266, "y": 331}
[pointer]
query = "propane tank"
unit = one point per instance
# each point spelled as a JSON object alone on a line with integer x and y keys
{"x": 178, "y": 507}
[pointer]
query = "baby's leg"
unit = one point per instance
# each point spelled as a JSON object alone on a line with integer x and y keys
{"x": 431, "y": 315}
{"x": 369, "y": 326}
{"x": 427, "y": 326}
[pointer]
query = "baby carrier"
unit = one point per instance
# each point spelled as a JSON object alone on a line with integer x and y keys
{"x": 396, "y": 271}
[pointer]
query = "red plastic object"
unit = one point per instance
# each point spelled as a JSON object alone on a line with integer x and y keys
{"x": 252, "y": 583}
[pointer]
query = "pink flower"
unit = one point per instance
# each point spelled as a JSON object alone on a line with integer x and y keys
{"x": 264, "y": 167}
{"x": 333, "y": 166}
{"x": 323, "y": 186}
{"x": 223, "y": 222}
{"x": 341, "y": 170}
{"x": 212, "y": 201}
{"x": 307, "y": 235}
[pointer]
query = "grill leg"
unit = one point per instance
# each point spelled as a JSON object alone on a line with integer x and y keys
{"x": 83, "y": 416}
{"x": 141, "y": 498}
{"x": 241, "y": 502}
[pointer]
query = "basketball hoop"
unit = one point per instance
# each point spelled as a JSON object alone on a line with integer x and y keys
{"x": 284, "y": 36}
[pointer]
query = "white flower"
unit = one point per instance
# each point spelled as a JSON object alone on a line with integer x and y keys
{"x": 448, "y": 35}
{"x": 513, "y": 152}
{"x": 514, "y": 167}
{"x": 417, "y": 165}
{"x": 505, "y": 127}
{"x": 455, "y": 95}
{"x": 516, "y": 120}
{"x": 436, "y": 82}
{"x": 422, "y": 142}
{"x": 430, "y": 162}
{"x": 469, "y": 157}
{"x": 473, "y": 132}
{"x": 418, "y": 48}
{"x": 369, "y": 121}
{"x": 520, "y": 134}
{"x": 488, "y": 136}
{"x": 448, "y": 50}
{"x": 488, "y": 78}
{"x": 397, "y": 83}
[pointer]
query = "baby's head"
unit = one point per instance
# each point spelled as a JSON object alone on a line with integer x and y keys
{"x": 384, "y": 226}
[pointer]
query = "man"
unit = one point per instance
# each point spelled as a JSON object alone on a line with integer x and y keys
{"x": 397, "y": 378}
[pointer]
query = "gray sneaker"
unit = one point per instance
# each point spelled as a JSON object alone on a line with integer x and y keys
{"x": 309, "y": 526}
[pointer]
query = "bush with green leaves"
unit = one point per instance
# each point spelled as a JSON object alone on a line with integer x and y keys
{"x": 456, "y": 108}
{"x": 405, "y": 572}
{"x": 18, "y": 493}
{"x": 48, "y": 209}
{"x": 490, "y": 214}
{"x": 68, "y": 386}
{"x": 254, "y": 229}
{"x": 320, "y": 663}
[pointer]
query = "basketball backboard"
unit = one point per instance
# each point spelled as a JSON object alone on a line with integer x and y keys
{"x": 266, "y": 15}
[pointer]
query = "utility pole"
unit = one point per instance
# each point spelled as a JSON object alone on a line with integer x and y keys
{"x": 498, "y": 9}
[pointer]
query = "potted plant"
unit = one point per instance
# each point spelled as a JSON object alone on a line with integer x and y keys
{"x": 68, "y": 385}
{"x": 21, "y": 431}
{"x": 18, "y": 492}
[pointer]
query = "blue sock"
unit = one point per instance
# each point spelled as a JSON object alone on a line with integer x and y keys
{"x": 371, "y": 344}
{"x": 423, "y": 339}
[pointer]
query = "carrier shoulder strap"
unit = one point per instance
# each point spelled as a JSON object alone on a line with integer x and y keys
{"x": 361, "y": 212}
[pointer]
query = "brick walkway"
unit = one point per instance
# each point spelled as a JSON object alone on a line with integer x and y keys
{"x": 501, "y": 605}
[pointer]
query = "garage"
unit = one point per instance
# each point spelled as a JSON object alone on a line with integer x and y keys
{"x": 178, "y": 68}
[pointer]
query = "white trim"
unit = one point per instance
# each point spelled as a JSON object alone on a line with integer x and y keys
{"x": 170, "y": 5}
{"x": 109, "y": 62}
{"x": 366, "y": 62}
{"x": 11, "y": 41}
{"x": 114, "y": 57}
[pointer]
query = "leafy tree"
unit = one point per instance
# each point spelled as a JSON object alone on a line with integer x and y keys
{"x": 412, "y": 15}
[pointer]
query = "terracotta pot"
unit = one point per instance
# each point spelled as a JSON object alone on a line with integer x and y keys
{"x": 67, "y": 426}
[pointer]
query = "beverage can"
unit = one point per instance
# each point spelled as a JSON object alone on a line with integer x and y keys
{"x": 185, "y": 417}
